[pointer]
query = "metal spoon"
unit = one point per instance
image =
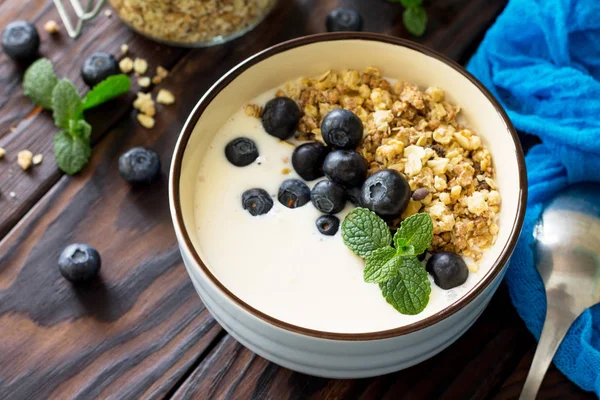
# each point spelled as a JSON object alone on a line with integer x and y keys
{"x": 567, "y": 248}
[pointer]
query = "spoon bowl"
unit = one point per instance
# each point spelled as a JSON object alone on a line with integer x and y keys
{"x": 567, "y": 251}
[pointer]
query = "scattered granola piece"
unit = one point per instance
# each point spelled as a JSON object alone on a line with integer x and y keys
{"x": 162, "y": 72}
{"x": 165, "y": 97}
{"x": 145, "y": 104}
{"x": 140, "y": 66}
{"x": 37, "y": 159}
{"x": 145, "y": 120}
{"x": 2, "y": 152}
{"x": 253, "y": 110}
{"x": 124, "y": 48}
{"x": 12, "y": 195}
{"x": 107, "y": 13}
{"x": 156, "y": 80}
{"x": 51, "y": 27}
{"x": 144, "y": 81}
{"x": 126, "y": 65}
{"x": 286, "y": 171}
{"x": 24, "y": 159}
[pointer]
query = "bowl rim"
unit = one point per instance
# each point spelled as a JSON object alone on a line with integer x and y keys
{"x": 214, "y": 90}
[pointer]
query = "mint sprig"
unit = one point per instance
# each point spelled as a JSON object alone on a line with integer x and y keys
{"x": 414, "y": 16}
{"x": 72, "y": 144}
{"x": 401, "y": 276}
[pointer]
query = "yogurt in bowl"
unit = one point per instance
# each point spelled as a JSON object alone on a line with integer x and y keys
{"x": 298, "y": 297}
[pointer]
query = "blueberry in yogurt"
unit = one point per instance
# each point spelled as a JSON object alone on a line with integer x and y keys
{"x": 241, "y": 151}
{"x": 342, "y": 129}
{"x": 293, "y": 193}
{"x": 386, "y": 193}
{"x": 280, "y": 117}
{"x": 328, "y": 224}
{"x": 448, "y": 269}
{"x": 348, "y": 168}
{"x": 328, "y": 197}
{"x": 257, "y": 201}
{"x": 308, "y": 158}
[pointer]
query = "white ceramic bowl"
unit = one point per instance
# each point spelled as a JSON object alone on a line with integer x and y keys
{"x": 330, "y": 354}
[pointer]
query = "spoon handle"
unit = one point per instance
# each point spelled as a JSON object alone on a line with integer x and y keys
{"x": 555, "y": 328}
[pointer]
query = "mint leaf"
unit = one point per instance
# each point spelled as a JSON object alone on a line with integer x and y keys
{"x": 364, "y": 232}
{"x": 411, "y": 3}
{"x": 409, "y": 291}
{"x": 66, "y": 104}
{"x": 381, "y": 265}
{"x": 39, "y": 81}
{"x": 108, "y": 89}
{"x": 415, "y": 20}
{"x": 414, "y": 235}
{"x": 72, "y": 152}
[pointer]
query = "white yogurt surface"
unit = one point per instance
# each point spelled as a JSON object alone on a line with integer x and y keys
{"x": 279, "y": 263}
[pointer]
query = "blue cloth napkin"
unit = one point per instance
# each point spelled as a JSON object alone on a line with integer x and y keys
{"x": 541, "y": 59}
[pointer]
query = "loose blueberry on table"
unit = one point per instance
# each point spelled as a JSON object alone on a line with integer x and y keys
{"x": 241, "y": 151}
{"x": 344, "y": 20}
{"x": 79, "y": 262}
{"x": 139, "y": 166}
{"x": 98, "y": 67}
{"x": 348, "y": 168}
{"x": 307, "y": 160}
{"x": 328, "y": 197}
{"x": 20, "y": 40}
{"x": 257, "y": 201}
{"x": 293, "y": 193}
{"x": 342, "y": 129}
{"x": 386, "y": 192}
{"x": 280, "y": 117}
{"x": 328, "y": 224}
{"x": 448, "y": 269}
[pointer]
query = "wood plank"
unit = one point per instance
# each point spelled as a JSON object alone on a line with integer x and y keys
{"x": 23, "y": 126}
{"x": 472, "y": 368}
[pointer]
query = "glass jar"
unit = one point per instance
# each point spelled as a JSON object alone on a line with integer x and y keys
{"x": 192, "y": 23}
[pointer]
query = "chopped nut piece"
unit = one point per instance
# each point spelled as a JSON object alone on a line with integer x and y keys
{"x": 253, "y": 110}
{"x": 286, "y": 171}
{"x": 145, "y": 104}
{"x": 140, "y": 66}
{"x": 165, "y": 97}
{"x": 126, "y": 65}
{"x": 124, "y": 48}
{"x": 24, "y": 159}
{"x": 146, "y": 121}
{"x": 51, "y": 27}
{"x": 162, "y": 72}
{"x": 156, "y": 80}
{"x": 37, "y": 159}
{"x": 144, "y": 81}
{"x": 2, "y": 152}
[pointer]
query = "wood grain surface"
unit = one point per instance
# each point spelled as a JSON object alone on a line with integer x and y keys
{"x": 141, "y": 331}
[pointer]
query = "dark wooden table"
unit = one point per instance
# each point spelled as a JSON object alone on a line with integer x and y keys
{"x": 142, "y": 332}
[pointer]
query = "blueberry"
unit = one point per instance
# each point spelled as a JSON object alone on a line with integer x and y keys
{"x": 328, "y": 197}
{"x": 353, "y": 195}
{"x": 139, "y": 165}
{"x": 280, "y": 117}
{"x": 448, "y": 269}
{"x": 241, "y": 152}
{"x": 386, "y": 193}
{"x": 342, "y": 129}
{"x": 308, "y": 158}
{"x": 343, "y": 20}
{"x": 328, "y": 224}
{"x": 98, "y": 67}
{"x": 79, "y": 262}
{"x": 348, "y": 168}
{"x": 20, "y": 40}
{"x": 257, "y": 201}
{"x": 293, "y": 193}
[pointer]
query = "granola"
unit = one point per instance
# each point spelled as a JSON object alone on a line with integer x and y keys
{"x": 191, "y": 21}
{"x": 418, "y": 133}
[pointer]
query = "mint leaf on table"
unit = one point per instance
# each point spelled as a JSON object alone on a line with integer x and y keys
{"x": 415, "y": 20}
{"x": 364, "y": 232}
{"x": 409, "y": 291}
{"x": 108, "y": 89}
{"x": 411, "y": 3}
{"x": 414, "y": 235}
{"x": 39, "y": 82}
{"x": 66, "y": 104}
{"x": 381, "y": 265}
{"x": 72, "y": 150}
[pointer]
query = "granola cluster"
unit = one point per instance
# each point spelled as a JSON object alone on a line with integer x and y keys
{"x": 416, "y": 133}
{"x": 191, "y": 21}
